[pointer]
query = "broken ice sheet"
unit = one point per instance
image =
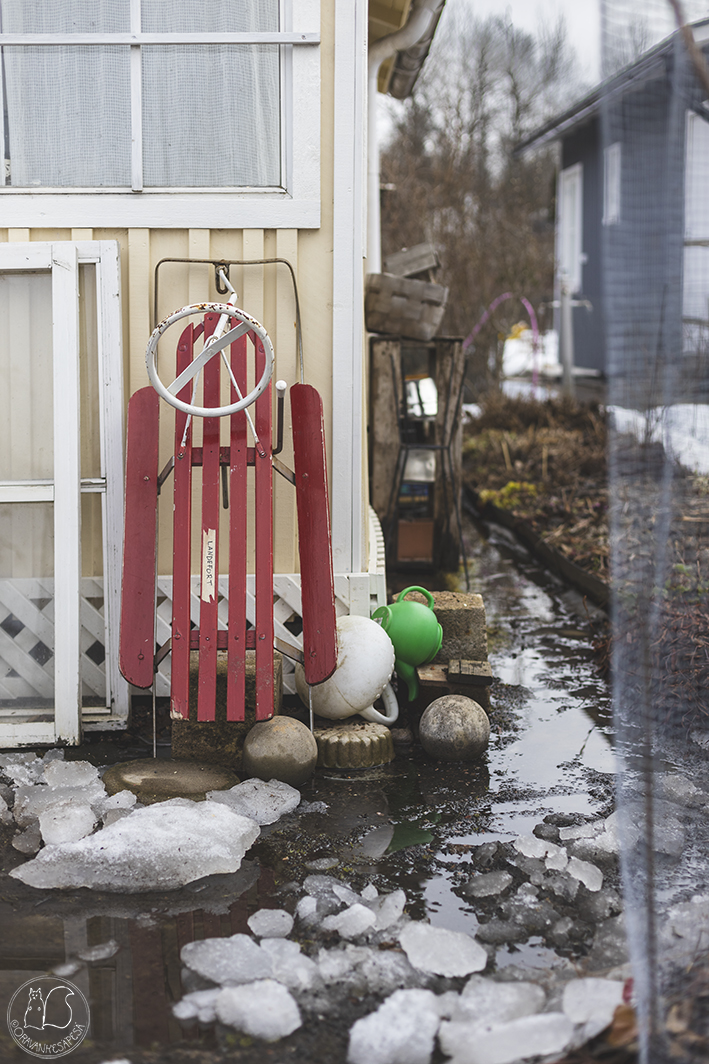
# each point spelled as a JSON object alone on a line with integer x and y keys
{"x": 352, "y": 922}
{"x": 199, "y": 1005}
{"x": 591, "y": 1002}
{"x": 262, "y": 1009}
{"x": 66, "y": 822}
{"x": 158, "y": 847}
{"x": 443, "y": 952}
{"x": 401, "y": 1031}
{"x": 101, "y": 952}
{"x": 503, "y": 1043}
{"x": 271, "y": 923}
{"x": 263, "y": 802}
{"x": 229, "y": 961}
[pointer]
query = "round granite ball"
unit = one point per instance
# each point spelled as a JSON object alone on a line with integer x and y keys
{"x": 280, "y": 749}
{"x": 454, "y": 728}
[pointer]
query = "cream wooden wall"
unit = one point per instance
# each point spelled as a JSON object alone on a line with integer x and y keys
{"x": 266, "y": 291}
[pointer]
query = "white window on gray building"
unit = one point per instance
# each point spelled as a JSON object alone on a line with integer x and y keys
{"x": 611, "y": 184}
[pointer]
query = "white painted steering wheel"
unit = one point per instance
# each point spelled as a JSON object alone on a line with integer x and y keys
{"x": 216, "y": 343}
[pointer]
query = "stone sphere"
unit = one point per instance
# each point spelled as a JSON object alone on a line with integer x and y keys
{"x": 280, "y": 749}
{"x": 454, "y": 728}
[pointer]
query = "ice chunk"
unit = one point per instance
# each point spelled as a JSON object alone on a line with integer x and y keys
{"x": 588, "y": 874}
{"x": 530, "y": 1036}
{"x": 21, "y": 768}
{"x": 381, "y": 971}
{"x": 352, "y": 922}
{"x": 557, "y": 862}
{"x": 29, "y": 840}
{"x": 6, "y": 816}
{"x": 321, "y": 864}
{"x": 228, "y": 961}
{"x": 687, "y": 921}
{"x": 158, "y": 847}
{"x": 263, "y": 802}
{"x": 443, "y": 952}
{"x": 321, "y": 886}
{"x": 486, "y": 1001}
{"x": 112, "y": 815}
{"x": 531, "y": 846}
{"x": 335, "y": 965}
{"x": 344, "y": 893}
{"x": 199, "y": 1005}
{"x": 271, "y": 923}
{"x": 289, "y": 966}
{"x": 401, "y": 1031}
{"x": 370, "y": 892}
{"x": 582, "y": 831}
{"x": 262, "y": 1009}
{"x": 307, "y": 910}
{"x": 69, "y": 774}
{"x": 101, "y": 952}
{"x": 31, "y": 801}
{"x": 119, "y": 800}
{"x": 66, "y": 822}
{"x": 389, "y": 909}
{"x": 488, "y": 884}
{"x": 592, "y": 1002}
{"x": 678, "y": 788}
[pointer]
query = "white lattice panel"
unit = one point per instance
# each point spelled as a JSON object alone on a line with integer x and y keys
{"x": 27, "y": 641}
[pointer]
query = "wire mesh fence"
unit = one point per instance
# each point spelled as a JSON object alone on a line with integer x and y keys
{"x": 654, "y": 182}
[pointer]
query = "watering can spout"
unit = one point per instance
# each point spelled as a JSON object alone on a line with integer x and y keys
{"x": 407, "y": 673}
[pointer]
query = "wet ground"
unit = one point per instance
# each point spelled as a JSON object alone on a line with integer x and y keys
{"x": 415, "y": 824}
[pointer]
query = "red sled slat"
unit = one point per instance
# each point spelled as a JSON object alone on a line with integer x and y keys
{"x": 263, "y": 480}
{"x": 182, "y": 542}
{"x": 137, "y": 638}
{"x": 236, "y": 666}
{"x": 209, "y": 546}
{"x": 314, "y": 544}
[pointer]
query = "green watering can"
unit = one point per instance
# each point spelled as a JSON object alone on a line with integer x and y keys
{"x": 415, "y": 633}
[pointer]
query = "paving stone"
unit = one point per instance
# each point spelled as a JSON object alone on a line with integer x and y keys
{"x": 157, "y": 781}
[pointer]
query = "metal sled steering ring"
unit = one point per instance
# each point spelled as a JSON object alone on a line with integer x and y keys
{"x": 214, "y": 345}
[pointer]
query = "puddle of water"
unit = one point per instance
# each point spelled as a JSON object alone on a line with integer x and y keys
{"x": 396, "y": 826}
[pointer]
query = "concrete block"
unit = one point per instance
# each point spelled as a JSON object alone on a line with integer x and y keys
{"x": 461, "y": 615}
{"x": 219, "y": 741}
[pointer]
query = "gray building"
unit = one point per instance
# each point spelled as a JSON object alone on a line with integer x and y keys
{"x": 632, "y": 225}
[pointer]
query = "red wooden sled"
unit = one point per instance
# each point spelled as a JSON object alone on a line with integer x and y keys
{"x": 139, "y": 654}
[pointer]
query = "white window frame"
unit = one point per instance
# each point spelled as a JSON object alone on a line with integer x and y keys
{"x": 296, "y": 205}
{"x": 62, "y": 259}
{"x": 612, "y": 163}
{"x": 571, "y": 269}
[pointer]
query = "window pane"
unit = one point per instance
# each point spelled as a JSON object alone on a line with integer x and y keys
{"x": 26, "y": 413}
{"x": 211, "y": 116}
{"x": 65, "y": 16}
{"x": 68, "y": 116}
{"x": 185, "y": 16}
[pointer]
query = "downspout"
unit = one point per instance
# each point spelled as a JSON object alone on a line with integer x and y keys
{"x": 420, "y": 16}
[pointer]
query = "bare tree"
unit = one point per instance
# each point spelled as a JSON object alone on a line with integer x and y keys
{"x": 454, "y": 177}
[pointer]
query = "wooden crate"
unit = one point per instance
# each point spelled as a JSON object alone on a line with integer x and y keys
{"x": 400, "y": 306}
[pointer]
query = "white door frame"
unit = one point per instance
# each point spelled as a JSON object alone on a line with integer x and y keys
{"x": 63, "y": 258}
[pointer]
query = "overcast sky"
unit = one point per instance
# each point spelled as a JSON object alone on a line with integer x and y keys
{"x": 583, "y": 22}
